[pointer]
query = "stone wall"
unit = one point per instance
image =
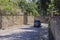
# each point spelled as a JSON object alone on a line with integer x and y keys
{"x": 30, "y": 20}
{"x": 8, "y": 21}
{"x": 55, "y": 27}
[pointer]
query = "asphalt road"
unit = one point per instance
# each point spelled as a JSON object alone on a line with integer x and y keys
{"x": 25, "y": 33}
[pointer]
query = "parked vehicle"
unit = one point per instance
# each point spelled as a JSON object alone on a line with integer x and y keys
{"x": 37, "y": 23}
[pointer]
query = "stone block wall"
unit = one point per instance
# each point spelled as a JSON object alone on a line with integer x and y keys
{"x": 8, "y": 21}
{"x": 55, "y": 27}
{"x": 30, "y": 20}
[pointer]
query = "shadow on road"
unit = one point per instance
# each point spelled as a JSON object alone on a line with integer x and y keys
{"x": 30, "y": 33}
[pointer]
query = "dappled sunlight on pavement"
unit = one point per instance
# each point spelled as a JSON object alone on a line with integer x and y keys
{"x": 26, "y": 33}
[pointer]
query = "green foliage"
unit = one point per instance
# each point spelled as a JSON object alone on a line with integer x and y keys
{"x": 43, "y": 6}
{"x": 28, "y": 7}
{"x": 12, "y": 5}
{"x": 38, "y": 3}
{"x": 51, "y": 6}
{"x": 57, "y": 5}
{"x": 8, "y": 5}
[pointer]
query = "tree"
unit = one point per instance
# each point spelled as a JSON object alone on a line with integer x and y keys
{"x": 9, "y": 5}
{"x": 57, "y": 5}
{"x": 28, "y": 8}
{"x": 43, "y": 6}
